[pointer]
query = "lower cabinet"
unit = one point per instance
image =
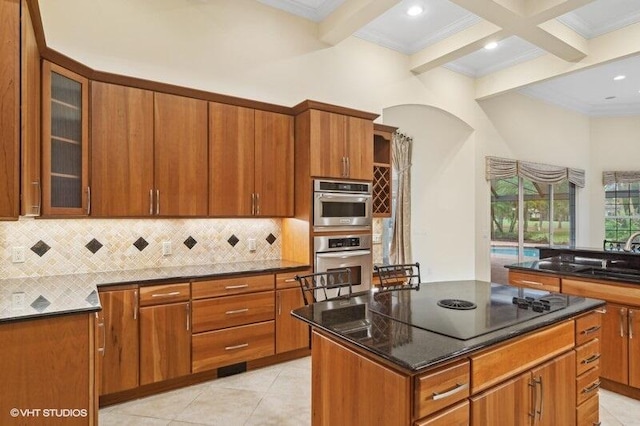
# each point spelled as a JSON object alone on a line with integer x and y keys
{"x": 120, "y": 355}
{"x": 291, "y": 334}
{"x": 621, "y": 345}
{"x": 48, "y": 371}
{"x": 165, "y": 332}
{"x": 458, "y": 415}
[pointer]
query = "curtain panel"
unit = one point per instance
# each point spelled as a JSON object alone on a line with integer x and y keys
{"x": 400, "y": 250}
{"x": 609, "y": 178}
{"x": 504, "y": 168}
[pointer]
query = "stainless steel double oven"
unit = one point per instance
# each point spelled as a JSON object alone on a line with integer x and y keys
{"x": 342, "y": 210}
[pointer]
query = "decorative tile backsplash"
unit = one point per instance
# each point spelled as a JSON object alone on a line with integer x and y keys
{"x": 66, "y": 246}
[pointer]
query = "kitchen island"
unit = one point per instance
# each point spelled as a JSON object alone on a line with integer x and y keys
{"x": 406, "y": 357}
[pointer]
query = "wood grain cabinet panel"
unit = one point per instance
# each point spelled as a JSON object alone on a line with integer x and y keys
{"x": 291, "y": 333}
{"x": 9, "y": 108}
{"x": 181, "y": 156}
{"x": 458, "y": 415}
{"x": 230, "y": 311}
{"x": 587, "y": 414}
{"x": 536, "y": 281}
{"x": 441, "y": 388}
{"x": 121, "y": 150}
{"x": 232, "y": 285}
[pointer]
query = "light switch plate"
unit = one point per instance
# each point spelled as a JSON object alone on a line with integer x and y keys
{"x": 252, "y": 244}
{"x": 166, "y": 248}
{"x": 18, "y": 301}
{"x": 17, "y": 255}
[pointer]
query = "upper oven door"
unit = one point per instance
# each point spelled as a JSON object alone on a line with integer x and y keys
{"x": 343, "y": 210}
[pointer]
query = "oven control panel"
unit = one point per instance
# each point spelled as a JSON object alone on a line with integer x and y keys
{"x": 342, "y": 242}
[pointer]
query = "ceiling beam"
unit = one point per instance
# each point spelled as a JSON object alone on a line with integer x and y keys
{"x": 456, "y": 46}
{"x": 605, "y": 48}
{"x": 540, "y": 11}
{"x": 350, "y": 17}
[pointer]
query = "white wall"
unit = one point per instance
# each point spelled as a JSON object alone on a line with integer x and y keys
{"x": 245, "y": 49}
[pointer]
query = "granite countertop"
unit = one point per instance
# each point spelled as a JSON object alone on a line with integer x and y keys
{"x": 62, "y": 294}
{"x": 399, "y": 326}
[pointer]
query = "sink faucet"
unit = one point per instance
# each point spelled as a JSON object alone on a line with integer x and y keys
{"x": 627, "y": 245}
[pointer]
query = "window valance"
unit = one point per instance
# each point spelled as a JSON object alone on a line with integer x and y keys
{"x": 609, "y": 178}
{"x": 504, "y": 168}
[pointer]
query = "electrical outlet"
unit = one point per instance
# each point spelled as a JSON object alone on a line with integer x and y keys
{"x": 18, "y": 255}
{"x": 252, "y": 244}
{"x": 377, "y": 238}
{"x": 18, "y": 300}
{"x": 166, "y": 248}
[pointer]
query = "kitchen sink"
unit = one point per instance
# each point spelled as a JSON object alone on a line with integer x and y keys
{"x": 623, "y": 274}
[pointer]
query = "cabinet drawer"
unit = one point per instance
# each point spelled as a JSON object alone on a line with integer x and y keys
{"x": 230, "y": 311}
{"x": 626, "y": 294}
{"x": 166, "y": 293}
{"x": 232, "y": 345}
{"x": 229, "y": 286}
{"x": 496, "y": 365}
{"x": 537, "y": 281}
{"x": 587, "y": 385}
{"x": 457, "y": 415}
{"x": 438, "y": 389}
{"x": 588, "y": 327}
{"x": 587, "y": 413}
{"x": 287, "y": 280}
{"x": 587, "y": 356}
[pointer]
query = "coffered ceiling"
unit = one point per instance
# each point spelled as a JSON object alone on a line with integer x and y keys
{"x": 566, "y": 52}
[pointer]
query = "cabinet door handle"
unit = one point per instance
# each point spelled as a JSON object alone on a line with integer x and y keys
{"x": 591, "y": 330}
{"x": 257, "y": 204}
{"x": 237, "y": 311}
{"x": 591, "y": 359}
{"x": 172, "y": 293}
{"x": 232, "y": 287}
{"x": 36, "y": 208}
{"x": 88, "y": 200}
{"x": 279, "y": 303}
{"x": 348, "y": 167}
{"x": 290, "y": 280}
{"x": 531, "y": 282}
{"x": 630, "y": 319}
{"x": 344, "y": 167}
{"x": 457, "y": 388}
{"x": 135, "y": 305}
{"x": 157, "y": 201}
{"x": 622, "y": 321}
{"x": 534, "y": 385}
{"x": 188, "y": 309}
{"x": 592, "y": 387}
{"x": 104, "y": 335}
{"x": 151, "y": 202}
{"x": 230, "y": 348}
{"x": 541, "y": 398}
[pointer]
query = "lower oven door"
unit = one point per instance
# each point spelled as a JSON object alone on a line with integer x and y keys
{"x": 358, "y": 261}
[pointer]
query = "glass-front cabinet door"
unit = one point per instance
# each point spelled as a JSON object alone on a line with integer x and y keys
{"x": 64, "y": 142}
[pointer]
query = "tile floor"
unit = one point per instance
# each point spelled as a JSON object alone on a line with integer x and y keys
{"x": 278, "y": 395}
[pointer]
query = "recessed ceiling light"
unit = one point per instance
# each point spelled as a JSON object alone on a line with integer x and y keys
{"x": 415, "y": 10}
{"x": 619, "y": 77}
{"x": 491, "y": 45}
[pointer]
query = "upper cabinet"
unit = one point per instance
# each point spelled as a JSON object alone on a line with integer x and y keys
{"x": 340, "y": 146}
{"x": 65, "y": 131}
{"x": 149, "y": 153}
{"x": 382, "y": 175}
{"x": 251, "y": 162}
{"x": 9, "y": 108}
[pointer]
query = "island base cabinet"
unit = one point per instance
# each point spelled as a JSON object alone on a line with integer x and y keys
{"x": 587, "y": 413}
{"x": 369, "y": 393}
{"x": 458, "y": 415}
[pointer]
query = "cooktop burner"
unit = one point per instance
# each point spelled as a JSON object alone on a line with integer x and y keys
{"x": 457, "y": 304}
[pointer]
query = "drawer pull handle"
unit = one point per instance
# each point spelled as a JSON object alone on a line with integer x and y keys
{"x": 290, "y": 280}
{"x": 457, "y": 388}
{"x": 592, "y": 387}
{"x": 232, "y": 287}
{"x": 173, "y": 293}
{"x": 591, "y": 329}
{"x": 531, "y": 282}
{"x": 237, "y": 311}
{"x": 230, "y": 348}
{"x": 591, "y": 359}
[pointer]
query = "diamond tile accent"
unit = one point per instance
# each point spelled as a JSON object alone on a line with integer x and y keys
{"x": 271, "y": 239}
{"x": 40, "y": 248}
{"x": 190, "y": 242}
{"x": 233, "y": 240}
{"x": 93, "y": 246}
{"x": 141, "y": 244}
{"x": 40, "y": 304}
{"x": 92, "y": 298}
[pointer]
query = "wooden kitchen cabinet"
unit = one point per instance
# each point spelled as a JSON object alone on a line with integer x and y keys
{"x": 120, "y": 358}
{"x": 65, "y": 142}
{"x": 535, "y": 281}
{"x": 10, "y": 111}
{"x": 121, "y": 150}
{"x": 543, "y": 396}
{"x": 149, "y": 153}
{"x": 165, "y": 333}
{"x": 48, "y": 364}
{"x": 621, "y": 344}
{"x": 340, "y": 146}
{"x": 251, "y": 158}
{"x": 291, "y": 334}
{"x": 381, "y": 194}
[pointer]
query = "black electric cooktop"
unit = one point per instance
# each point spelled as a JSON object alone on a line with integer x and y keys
{"x": 466, "y": 309}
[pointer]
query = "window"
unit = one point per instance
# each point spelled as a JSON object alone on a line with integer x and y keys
{"x": 526, "y": 215}
{"x": 621, "y": 210}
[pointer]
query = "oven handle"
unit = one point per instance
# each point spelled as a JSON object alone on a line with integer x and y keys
{"x": 346, "y": 197}
{"x": 343, "y": 254}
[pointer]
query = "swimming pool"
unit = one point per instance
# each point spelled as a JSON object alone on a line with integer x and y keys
{"x": 513, "y": 251}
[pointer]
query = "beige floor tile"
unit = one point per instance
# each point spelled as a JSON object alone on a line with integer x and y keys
{"x": 255, "y": 380}
{"x": 117, "y": 419}
{"x": 281, "y": 410}
{"x": 162, "y": 406}
{"x": 292, "y": 381}
{"x": 221, "y": 406}
{"x": 623, "y": 409}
